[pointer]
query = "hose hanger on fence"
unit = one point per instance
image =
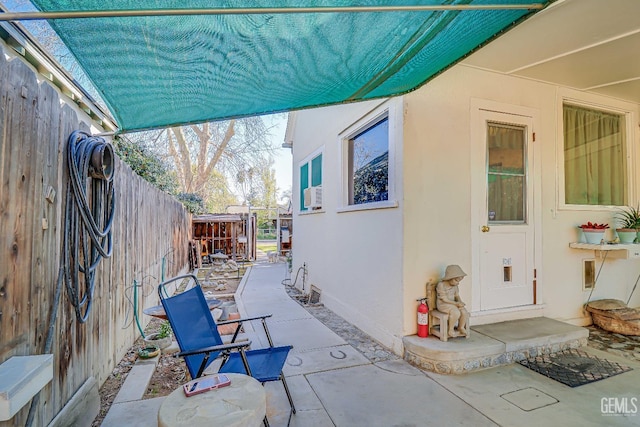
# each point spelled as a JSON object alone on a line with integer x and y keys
{"x": 89, "y": 216}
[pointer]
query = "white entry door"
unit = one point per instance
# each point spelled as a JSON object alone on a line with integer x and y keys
{"x": 506, "y": 231}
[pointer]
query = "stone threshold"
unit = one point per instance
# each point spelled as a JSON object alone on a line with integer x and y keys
{"x": 493, "y": 345}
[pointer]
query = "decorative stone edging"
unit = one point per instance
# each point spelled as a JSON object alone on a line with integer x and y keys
{"x": 468, "y": 365}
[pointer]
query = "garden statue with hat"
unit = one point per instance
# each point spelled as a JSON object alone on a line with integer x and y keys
{"x": 448, "y": 301}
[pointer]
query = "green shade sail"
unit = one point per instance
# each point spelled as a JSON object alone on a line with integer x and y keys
{"x": 157, "y": 71}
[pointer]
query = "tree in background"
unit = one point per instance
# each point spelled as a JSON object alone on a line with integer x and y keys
{"x": 156, "y": 171}
{"x": 268, "y": 198}
{"x": 210, "y": 155}
{"x": 257, "y": 186}
{"x": 192, "y": 202}
{"x": 285, "y": 197}
{"x": 222, "y": 163}
{"x": 219, "y": 194}
{"x": 146, "y": 164}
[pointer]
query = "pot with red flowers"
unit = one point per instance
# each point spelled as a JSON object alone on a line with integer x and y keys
{"x": 594, "y": 232}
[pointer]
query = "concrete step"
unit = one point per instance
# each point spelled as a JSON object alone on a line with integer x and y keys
{"x": 137, "y": 381}
{"x": 493, "y": 345}
{"x": 138, "y": 413}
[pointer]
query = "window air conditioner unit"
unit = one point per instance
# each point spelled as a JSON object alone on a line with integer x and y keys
{"x": 313, "y": 197}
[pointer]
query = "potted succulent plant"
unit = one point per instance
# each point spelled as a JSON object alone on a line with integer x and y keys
{"x": 594, "y": 232}
{"x": 629, "y": 221}
{"x": 162, "y": 338}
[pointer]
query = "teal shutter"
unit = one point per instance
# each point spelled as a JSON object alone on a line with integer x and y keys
{"x": 304, "y": 183}
{"x": 316, "y": 171}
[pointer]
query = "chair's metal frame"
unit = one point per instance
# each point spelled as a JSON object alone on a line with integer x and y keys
{"x": 225, "y": 349}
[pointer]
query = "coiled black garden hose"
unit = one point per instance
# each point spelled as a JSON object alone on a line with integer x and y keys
{"x": 89, "y": 216}
{"x": 87, "y": 156}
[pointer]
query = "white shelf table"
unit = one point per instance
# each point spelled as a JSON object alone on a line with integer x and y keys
{"x": 613, "y": 250}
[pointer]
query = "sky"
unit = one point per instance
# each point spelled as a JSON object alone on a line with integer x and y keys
{"x": 283, "y": 156}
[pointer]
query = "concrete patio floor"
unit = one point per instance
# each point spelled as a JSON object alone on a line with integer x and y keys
{"x": 335, "y": 384}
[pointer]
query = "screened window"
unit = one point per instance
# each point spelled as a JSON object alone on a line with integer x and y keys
{"x": 506, "y": 174}
{"x": 595, "y": 171}
{"x": 368, "y": 164}
{"x": 311, "y": 176}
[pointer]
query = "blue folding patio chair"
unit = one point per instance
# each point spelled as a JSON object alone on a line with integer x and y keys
{"x": 200, "y": 343}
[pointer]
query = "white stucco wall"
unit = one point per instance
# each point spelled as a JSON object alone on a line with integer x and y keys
{"x": 439, "y": 169}
{"x": 372, "y": 265}
{"x": 354, "y": 257}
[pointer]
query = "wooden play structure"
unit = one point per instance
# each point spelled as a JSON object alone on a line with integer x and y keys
{"x": 230, "y": 234}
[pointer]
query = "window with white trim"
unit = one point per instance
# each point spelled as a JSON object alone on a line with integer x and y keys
{"x": 368, "y": 163}
{"x": 311, "y": 183}
{"x": 595, "y": 166}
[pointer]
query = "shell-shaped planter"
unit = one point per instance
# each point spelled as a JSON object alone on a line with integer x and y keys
{"x": 148, "y": 352}
{"x": 161, "y": 343}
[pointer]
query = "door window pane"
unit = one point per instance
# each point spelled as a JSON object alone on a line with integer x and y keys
{"x": 506, "y": 174}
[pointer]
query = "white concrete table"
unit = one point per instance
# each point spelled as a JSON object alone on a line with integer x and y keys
{"x": 242, "y": 403}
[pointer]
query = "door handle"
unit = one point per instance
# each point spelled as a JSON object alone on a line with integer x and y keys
{"x": 485, "y": 229}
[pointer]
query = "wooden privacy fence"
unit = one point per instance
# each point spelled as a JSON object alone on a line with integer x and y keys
{"x": 150, "y": 241}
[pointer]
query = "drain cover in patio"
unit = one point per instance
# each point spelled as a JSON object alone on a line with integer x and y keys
{"x": 574, "y": 367}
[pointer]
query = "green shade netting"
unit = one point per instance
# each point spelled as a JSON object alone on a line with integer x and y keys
{"x": 160, "y": 71}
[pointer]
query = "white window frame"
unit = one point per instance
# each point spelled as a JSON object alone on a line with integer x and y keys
{"x": 612, "y": 106}
{"x": 392, "y": 110}
{"x": 307, "y": 160}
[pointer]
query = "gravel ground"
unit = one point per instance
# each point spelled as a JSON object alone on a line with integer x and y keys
{"x": 371, "y": 349}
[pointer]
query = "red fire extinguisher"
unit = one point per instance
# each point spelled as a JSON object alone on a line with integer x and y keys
{"x": 423, "y": 318}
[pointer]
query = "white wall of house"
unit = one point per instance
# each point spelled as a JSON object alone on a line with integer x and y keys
{"x": 372, "y": 264}
{"x": 353, "y": 256}
{"x": 441, "y": 166}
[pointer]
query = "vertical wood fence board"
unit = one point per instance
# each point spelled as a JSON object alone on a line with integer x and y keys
{"x": 4, "y": 203}
{"x": 20, "y": 179}
{"x": 148, "y": 226}
{"x": 3, "y": 119}
{"x": 45, "y": 256}
{"x": 41, "y": 254}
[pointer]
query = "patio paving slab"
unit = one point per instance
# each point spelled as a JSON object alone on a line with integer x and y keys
{"x": 338, "y": 357}
{"x": 309, "y": 409}
{"x": 304, "y": 334}
{"x": 284, "y": 309}
{"x": 370, "y": 396}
